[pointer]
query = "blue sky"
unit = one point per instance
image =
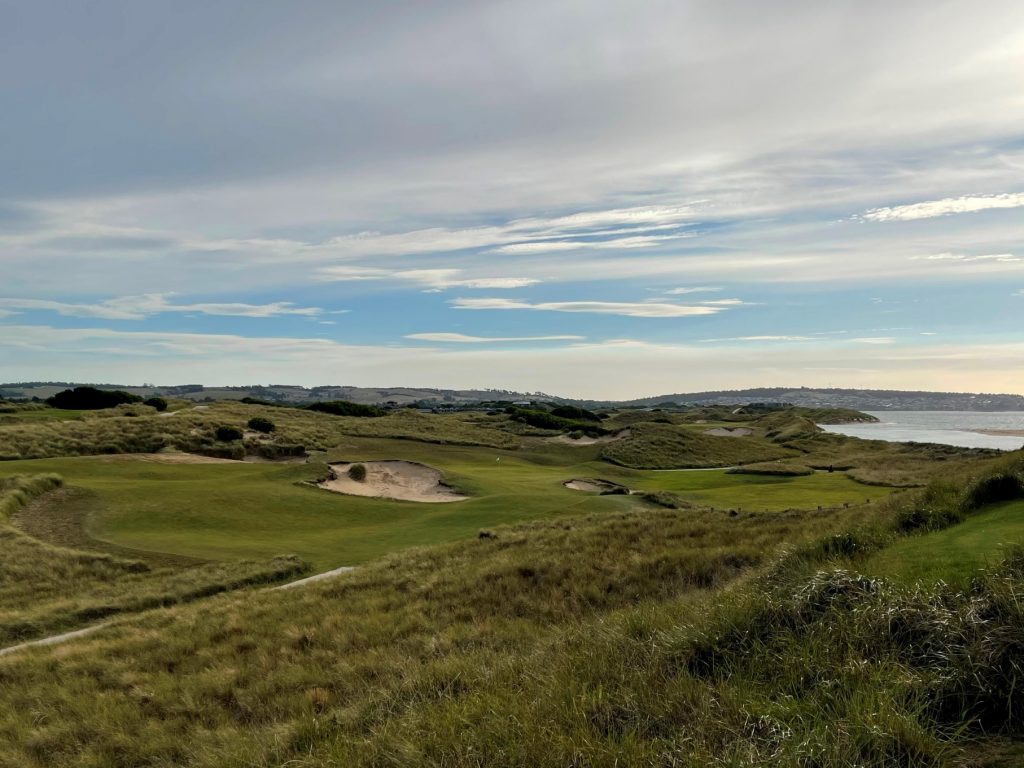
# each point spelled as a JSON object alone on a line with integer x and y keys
{"x": 597, "y": 199}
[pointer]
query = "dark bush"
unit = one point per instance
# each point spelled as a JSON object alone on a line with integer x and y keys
{"x": 227, "y": 434}
{"x": 357, "y": 472}
{"x": 345, "y": 408}
{"x": 572, "y": 412}
{"x": 156, "y": 402}
{"x": 545, "y": 420}
{"x": 260, "y": 424}
{"x": 1004, "y": 486}
{"x": 91, "y": 399}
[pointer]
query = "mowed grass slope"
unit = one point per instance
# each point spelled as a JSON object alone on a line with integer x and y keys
{"x": 241, "y": 510}
{"x": 955, "y": 554}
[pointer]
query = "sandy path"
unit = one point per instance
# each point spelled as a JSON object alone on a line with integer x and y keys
{"x": 168, "y": 457}
{"x": 75, "y": 633}
{"x": 53, "y": 639}
{"x": 317, "y": 577}
{"x": 401, "y": 480}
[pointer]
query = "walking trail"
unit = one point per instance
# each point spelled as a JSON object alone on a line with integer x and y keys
{"x": 65, "y": 636}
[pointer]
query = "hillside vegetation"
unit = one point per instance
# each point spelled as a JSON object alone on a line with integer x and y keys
{"x": 644, "y": 637}
{"x": 665, "y": 446}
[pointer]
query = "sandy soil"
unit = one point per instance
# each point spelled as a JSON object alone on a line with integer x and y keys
{"x": 317, "y": 577}
{"x": 729, "y": 432}
{"x": 566, "y": 440}
{"x": 402, "y": 480}
{"x": 591, "y": 486}
{"x": 169, "y": 457}
{"x": 1010, "y": 432}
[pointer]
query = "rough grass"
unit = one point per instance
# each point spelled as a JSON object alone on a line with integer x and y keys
{"x": 655, "y": 638}
{"x": 777, "y": 468}
{"x": 328, "y": 674}
{"x": 138, "y": 429}
{"x": 665, "y": 446}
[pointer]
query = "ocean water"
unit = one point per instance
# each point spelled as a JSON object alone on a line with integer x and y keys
{"x": 947, "y": 427}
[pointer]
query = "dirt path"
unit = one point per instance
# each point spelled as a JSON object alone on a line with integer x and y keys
{"x": 53, "y": 639}
{"x": 76, "y": 633}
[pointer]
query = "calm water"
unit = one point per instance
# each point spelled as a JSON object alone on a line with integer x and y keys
{"x": 948, "y": 427}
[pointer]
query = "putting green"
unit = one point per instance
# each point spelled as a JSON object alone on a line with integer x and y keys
{"x": 238, "y": 510}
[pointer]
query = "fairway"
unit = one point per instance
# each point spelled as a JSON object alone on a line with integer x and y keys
{"x": 229, "y": 511}
{"x": 955, "y": 554}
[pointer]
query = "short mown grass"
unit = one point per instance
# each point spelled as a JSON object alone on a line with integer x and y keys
{"x": 955, "y": 554}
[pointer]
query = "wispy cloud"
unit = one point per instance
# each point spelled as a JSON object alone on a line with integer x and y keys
{"x": 627, "y": 309}
{"x": 695, "y": 289}
{"x": 964, "y": 258}
{"x": 626, "y": 243}
{"x": 759, "y": 338}
{"x": 874, "y": 340}
{"x": 461, "y": 338}
{"x": 146, "y": 305}
{"x": 436, "y": 279}
{"x": 945, "y": 207}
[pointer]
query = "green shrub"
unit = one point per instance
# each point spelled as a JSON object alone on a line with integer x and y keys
{"x": 345, "y": 408}
{"x": 260, "y": 424}
{"x": 91, "y": 399}
{"x": 228, "y": 434}
{"x": 357, "y": 472}
{"x": 545, "y": 420}
{"x": 156, "y": 402}
{"x": 572, "y": 412}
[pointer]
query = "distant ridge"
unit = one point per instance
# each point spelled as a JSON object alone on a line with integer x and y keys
{"x": 857, "y": 399}
{"x": 810, "y": 397}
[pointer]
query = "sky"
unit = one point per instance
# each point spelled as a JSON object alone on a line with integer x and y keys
{"x": 582, "y": 197}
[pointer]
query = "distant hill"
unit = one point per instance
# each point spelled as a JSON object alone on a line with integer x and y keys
{"x": 857, "y": 399}
{"x": 284, "y": 393}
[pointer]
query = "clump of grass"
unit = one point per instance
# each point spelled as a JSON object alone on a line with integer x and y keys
{"x": 19, "y": 490}
{"x": 357, "y": 472}
{"x": 662, "y": 446}
{"x": 772, "y": 468}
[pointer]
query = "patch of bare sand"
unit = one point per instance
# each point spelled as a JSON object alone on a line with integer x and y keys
{"x": 595, "y": 485}
{"x": 401, "y": 480}
{"x": 729, "y": 432}
{"x": 1010, "y": 432}
{"x": 169, "y": 457}
{"x": 584, "y": 440}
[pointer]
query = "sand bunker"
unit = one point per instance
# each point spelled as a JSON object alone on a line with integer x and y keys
{"x": 567, "y": 440}
{"x": 729, "y": 432}
{"x": 595, "y": 485}
{"x": 402, "y": 480}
